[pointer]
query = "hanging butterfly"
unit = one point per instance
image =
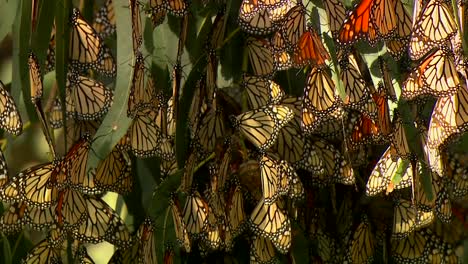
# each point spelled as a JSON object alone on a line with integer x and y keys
{"x": 429, "y": 79}
{"x": 3, "y": 171}
{"x": 310, "y": 50}
{"x": 434, "y": 26}
{"x": 398, "y": 45}
{"x": 136, "y": 25}
{"x": 358, "y": 94}
{"x": 262, "y": 251}
{"x": 384, "y": 176}
{"x": 449, "y": 119}
{"x": 407, "y": 218}
{"x": 177, "y": 8}
{"x": 362, "y": 244}
{"x": 104, "y": 21}
{"x": 271, "y": 222}
{"x": 10, "y": 119}
{"x": 87, "y": 50}
{"x": 87, "y": 99}
{"x": 370, "y": 19}
{"x": 257, "y": 18}
{"x": 261, "y": 91}
{"x": 261, "y": 57}
{"x": 261, "y": 126}
{"x": 321, "y": 101}
{"x": 336, "y": 13}
{"x": 141, "y": 94}
{"x": 195, "y": 214}
{"x": 282, "y": 59}
{"x": 294, "y": 26}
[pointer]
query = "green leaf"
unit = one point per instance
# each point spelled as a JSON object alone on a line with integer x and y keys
{"x": 116, "y": 123}
{"x": 7, "y": 258}
{"x": 401, "y": 170}
{"x": 182, "y": 133}
{"x": 426, "y": 181}
{"x": 41, "y": 35}
{"x": 10, "y": 10}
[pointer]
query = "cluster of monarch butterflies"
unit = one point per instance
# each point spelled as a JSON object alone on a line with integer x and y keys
{"x": 330, "y": 168}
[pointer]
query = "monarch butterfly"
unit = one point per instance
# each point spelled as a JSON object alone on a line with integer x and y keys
{"x": 34, "y": 185}
{"x": 3, "y": 172}
{"x": 270, "y": 222}
{"x": 136, "y": 25}
{"x": 143, "y": 137}
{"x": 398, "y": 44}
{"x": 212, "y": 238}
{"x": 179, "y": 226}
{"x": 87, "y": 51}
{"x": 421, "y": 246}
{"x": 83, "y": 257}
{"x": 235, "y": 212}
{"x": 321, "y": 101}
{"x": 429, "y": 79}
{"x": 290, "y": 143}
{"x": 434, "y": 26}
{"x": 365, "y": 131}
{"x": 10, "y": 192}
{"x": 10, "y": 119}
{"x": 104, "y": 21}
{"x": 157, "y": 17}
{"x": 71, "y": 209}
{"x": 261, "y": 57}
{"x": 383, "y": 112}
{"x": 261, "y": 126}
{"x": 313, "y": 161}
{"x": 296, "y": 189}
{"x": 211, "y": 128}
{"x": 256, "y": 19}
{"x": 211, "y": 78}
{"x": 407, "y": 218}
{"x": 310, "y": 50}
{"x": 457, "y": 169}
{"x": 272, "y": 179}
{"x": 282, "y": 59}
{"x": 449, "y": 119}
{"x": 175, "y": 7}
{"x": 35, "y": 82}
{"x": 114, "y": 173}
{"x": 362, "y": 245}
{"x": 35, "y": 78}
{"x": 384, "y": 175}
{"x": 399, "y": 146}
{"x": 195, "y": 214}
{"x": 326, "y": 246}
{"x": 294, "y": 26}
{"x": 141, "y": 96}
{"x": 146, "y": 247}
{"x": 262, "y": 251}
{"x": 336, "y": 13}
{"x": 86, "y": 98}
{"x": 50, "y": 59}
{"x": 261, "y": 91}
{"x": 101, "y": 223}
{"x": 371, "y": 19}
{"x": 387, "y": 80}
{"x": 358, "y": 95}
{"x": 216, "y": 36}
{"x": 71, "y": 172}
{"x": 43, "y": 252}
{"x": 41, "y": 218}
{"x": 14, "y": 218}
{"x": 443, "y": 208}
